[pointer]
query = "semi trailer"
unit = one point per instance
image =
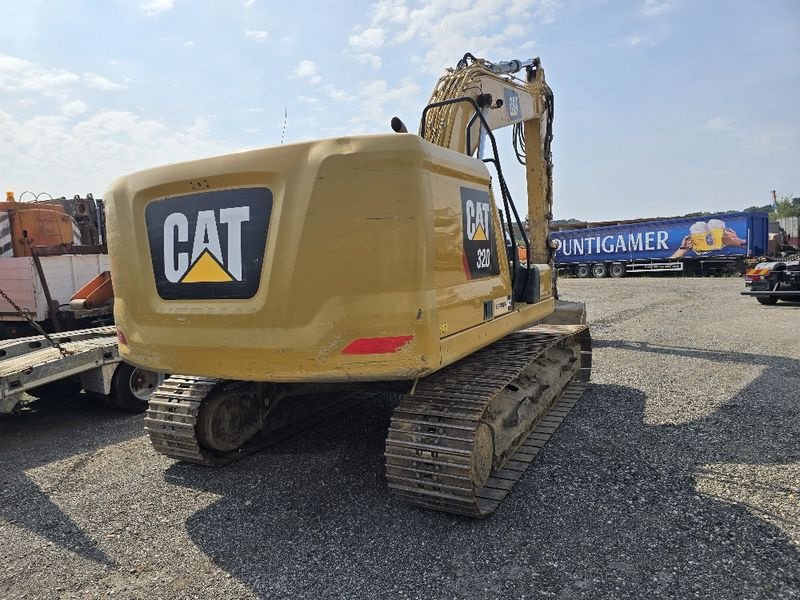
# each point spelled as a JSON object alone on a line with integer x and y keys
{"x": 708, "y": 245}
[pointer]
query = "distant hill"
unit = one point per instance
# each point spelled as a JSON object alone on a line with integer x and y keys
{"x": 767, "y": 208}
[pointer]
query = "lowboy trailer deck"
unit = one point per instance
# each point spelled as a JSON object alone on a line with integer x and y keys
{"x": 85, "y": 359}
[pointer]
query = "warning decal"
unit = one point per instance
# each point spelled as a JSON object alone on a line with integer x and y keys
{"x": 479, "y": 256}
{"x": 210, "y": 244}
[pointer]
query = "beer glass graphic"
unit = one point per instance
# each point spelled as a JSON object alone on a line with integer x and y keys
{"x": 707, "y": 236}
{"x": 716, "y": 228}
{"x": 702, "y": 239}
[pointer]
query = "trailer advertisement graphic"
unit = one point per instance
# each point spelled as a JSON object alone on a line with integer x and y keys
{"x": 716, "y": 235}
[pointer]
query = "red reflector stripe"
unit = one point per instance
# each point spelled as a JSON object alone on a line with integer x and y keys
{"x": 377, "y": 345}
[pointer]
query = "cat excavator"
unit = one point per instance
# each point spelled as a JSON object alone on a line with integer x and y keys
{"x": 336, "y": 268}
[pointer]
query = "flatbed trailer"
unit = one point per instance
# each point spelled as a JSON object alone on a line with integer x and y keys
{"x": 85, "y": 359}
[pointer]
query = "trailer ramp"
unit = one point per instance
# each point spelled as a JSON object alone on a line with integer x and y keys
{"x": 31, "y": 362}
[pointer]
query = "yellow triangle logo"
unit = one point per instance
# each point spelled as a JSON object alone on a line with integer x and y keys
{"x": 480, "y": 234}
{"x": 206, "y": 269}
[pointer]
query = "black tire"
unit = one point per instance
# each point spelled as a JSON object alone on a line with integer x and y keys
{"x": 599, "y": 270}
{"x": 616, "y": 270}
{"x": 122, "y": 393}
{"x": 768, "y": 300}
{"x": 582, "y": 271}
{"x": 63, "y": 388}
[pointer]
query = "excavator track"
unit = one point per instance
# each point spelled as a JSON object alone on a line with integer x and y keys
{"x": 172, "y": 413}
{"x": 431, "y": 445}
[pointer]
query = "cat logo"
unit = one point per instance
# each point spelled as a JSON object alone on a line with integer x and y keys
{"x": 479, "y": 256}
{"x": 476, "y": 214}
{"x": 209, "y": 245}
{"x": 207, "y": 261}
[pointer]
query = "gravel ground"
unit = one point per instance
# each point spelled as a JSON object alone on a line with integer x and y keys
{"x": 676, "y": 476}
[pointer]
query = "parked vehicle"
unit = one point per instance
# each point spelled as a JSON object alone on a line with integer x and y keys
{"x": 770, "y": 282}
{"x": 717, "y": 244}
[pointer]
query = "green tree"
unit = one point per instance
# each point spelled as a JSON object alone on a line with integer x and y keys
{"x": 785, "y": 206}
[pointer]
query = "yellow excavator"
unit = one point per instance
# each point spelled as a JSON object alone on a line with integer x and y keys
{"x": 267, "y": 279}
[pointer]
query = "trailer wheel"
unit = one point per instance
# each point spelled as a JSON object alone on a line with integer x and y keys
{"x": 599, "y": 270}
{"x": 768, "y": 300}
{"x": 616, "y": 270}
{"x": 131, "y": 387}
{"x": 582, "y": 271}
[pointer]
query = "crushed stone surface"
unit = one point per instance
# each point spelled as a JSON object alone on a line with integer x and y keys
{"x": 677, "y": 475}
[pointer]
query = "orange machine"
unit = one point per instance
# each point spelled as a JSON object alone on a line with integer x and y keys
{"x": 33, "y": 224}
{"x": 48, "y": 250}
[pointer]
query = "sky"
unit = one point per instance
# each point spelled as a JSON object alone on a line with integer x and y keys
{"x": 662, "y": 107}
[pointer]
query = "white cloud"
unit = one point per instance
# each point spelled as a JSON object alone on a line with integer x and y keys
{"x": 18, "y": 74}
{"x": 189, "y": 43}
{"x": 155, "y": 7}
{"x": 307, "y": 100}
{"x": 100, "y": 82}
{"x": 306, "y": 69}
{"x": 369, "y": 39}
{"x": 392, "y": 11}
{"x": 257, "y": 35}
{"x": 376, "y": 96}
{"x": 95, "y": 150}
{"x": 443, "y": 30}
{"x": 248, "y": 3}
{"x": 755, "y": 138}
{"x": 655, "y": 8}
{"x": 337, "y": 94}
{"x": 719, "y": 123}
{"x": 650, "y": 38}
{"x": 633, "y": 40}
{"x": 543, "y": 11}
{"x": 514, "y": 30}
{"x": 365, "y": 58}
{"x": 74, "y": 108}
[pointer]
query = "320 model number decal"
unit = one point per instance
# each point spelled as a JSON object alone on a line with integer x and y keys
{"x": 480, "y": 259}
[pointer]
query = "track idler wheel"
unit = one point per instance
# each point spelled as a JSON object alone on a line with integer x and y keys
{"x": 482, "y": 455}
{"x": 229, "y": 416}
